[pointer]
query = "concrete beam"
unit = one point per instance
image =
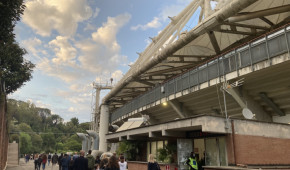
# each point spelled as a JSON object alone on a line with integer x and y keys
{"x": 154, "y": 134}
{"x": 271, "y": 104}
{"x": 173, "y": 133}
{"x": 134, "y": 137}
{"x": 151, "y": 119}
{"x": 179, "y": 108}
{"x": 247, "y": 101}
{"x": 122, "y": 138}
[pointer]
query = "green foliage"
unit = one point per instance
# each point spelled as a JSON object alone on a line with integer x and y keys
{"x": 74, "y": 121}
{"x": 10, "y": 12}
{"x": 25, "y": 143}
{"x": 59, "y": 146}
{"x": 166, "y": 154}
{"x": 36, "y": 141}
{"x": 23, "y": 127}
{"x": 130, "y": 148}
{"x": 14, "y": 137}
{"x": 14, "y": 69}
{"x": 73, "y": 145}
{"x": 47, "y": 132}
{"x": 48, "y": 142}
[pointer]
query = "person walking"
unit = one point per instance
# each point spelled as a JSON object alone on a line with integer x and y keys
{"x": 122, "y": 163}
{"x": 59, "y": 160}
{"x": 152, "y": 165}
{"x": 81, "y": 163}
{"x": 48, "y": 159}
{"x": 191, "y": 162}
{"x": 44, "y": 160}
{"x": 65, "y": 162}
{"x": 113, "y": 164}
{"x": 54, "y": 160}
{"x": 36, "y": 162}
{"x": 97, "y": 162}
{"x": 71, "y": 163}
{"x": 104, "y": 162}
{"x": 39, "y": 161}
{"x": 91, "y": 160}
{"x": 75, "y": 156}
{"x": 27, "y": 158}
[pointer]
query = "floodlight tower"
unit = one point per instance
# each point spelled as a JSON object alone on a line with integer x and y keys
{"x": 95, "y": 117}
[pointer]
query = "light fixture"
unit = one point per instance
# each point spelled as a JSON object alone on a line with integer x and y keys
{"x": 164, "y": 104}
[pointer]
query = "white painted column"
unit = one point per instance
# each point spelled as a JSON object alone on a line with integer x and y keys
{"x": 104, "y": 126}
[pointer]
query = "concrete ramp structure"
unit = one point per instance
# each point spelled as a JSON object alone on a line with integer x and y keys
{"x": 84, "y": 141}
{"x": 95, "y": 139}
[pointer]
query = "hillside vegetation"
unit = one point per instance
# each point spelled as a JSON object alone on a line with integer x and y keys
{"x": 37, "y": 130}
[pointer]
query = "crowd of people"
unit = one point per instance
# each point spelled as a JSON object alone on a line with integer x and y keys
{"x": 78, "y": 161}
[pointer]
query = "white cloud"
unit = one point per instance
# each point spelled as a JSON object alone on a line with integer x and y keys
{"x": 117, "y": 75}
{"x": 33, "y": 47}
{"x": 97, "y": 11}
{"x": 67, "y": 74}
{"x": 106, "y": 35}
{"x": 64, "y": 51}
{"x": 155, "y": 23}
{"x": 80, "y": 87}
{"x": 101, "y": 54}
{"x": 61, "y": 15}
{"x": 89, "y": 27}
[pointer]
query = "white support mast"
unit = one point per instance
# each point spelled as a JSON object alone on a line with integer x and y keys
{"x": 95, "y": 117}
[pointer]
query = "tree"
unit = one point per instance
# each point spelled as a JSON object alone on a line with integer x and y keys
{"x": 75, "y": 121}
{"x": 85, "y": 126}
{"x": 14, "y": 137}
{"x": 48, "y": 142}
{"x": 14, "y": 70}
{"x": 73, "y": 145}
{"x": 10, "y": 13}
{"x": 25, "y": 143}
{"x": 23, "y": 127}
{"x": 36, "y": 141}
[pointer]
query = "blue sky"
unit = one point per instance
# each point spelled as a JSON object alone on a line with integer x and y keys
{"x": 76, "y": 42}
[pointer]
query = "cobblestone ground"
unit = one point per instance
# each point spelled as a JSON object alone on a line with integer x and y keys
{"x": 29, "y": 166}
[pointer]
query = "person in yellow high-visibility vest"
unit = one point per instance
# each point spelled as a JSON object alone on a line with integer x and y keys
{"x": 191, "y": 162}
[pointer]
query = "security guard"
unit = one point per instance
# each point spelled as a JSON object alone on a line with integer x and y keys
{"x": 191, "y": 162}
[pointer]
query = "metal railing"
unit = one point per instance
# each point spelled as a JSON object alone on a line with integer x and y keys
{"x": 262, "y": 49}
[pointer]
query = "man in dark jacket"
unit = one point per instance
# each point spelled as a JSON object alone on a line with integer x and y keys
{"x": 59, "y": 160}
{"x": 54, "y": 159}
{"x": 81, "y": 163}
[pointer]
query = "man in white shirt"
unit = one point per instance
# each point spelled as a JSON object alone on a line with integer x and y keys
{"x": 122, "y": 163}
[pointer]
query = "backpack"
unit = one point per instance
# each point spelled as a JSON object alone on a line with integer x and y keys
{"x": 91, "y": 162}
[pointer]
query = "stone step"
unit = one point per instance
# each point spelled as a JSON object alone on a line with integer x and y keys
{"x": 12, "y": 154}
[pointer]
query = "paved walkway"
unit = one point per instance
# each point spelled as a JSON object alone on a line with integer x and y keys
{"x": 29, "y": 166}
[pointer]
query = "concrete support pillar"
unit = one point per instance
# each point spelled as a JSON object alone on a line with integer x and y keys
{"x": 104, "y": 127}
